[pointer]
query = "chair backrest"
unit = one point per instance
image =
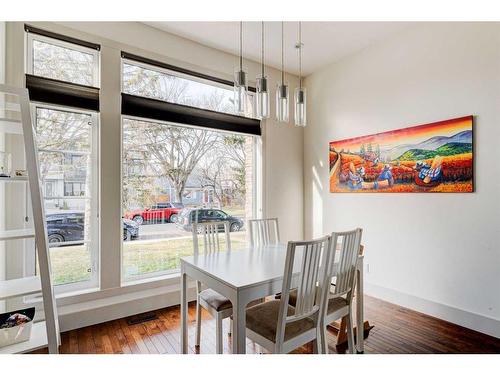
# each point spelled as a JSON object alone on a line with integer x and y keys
{"x": 210, "y": 231}
{"x": 346, "y": 249}
{"x": 263, "y": 232}
{"x": 310, "y": 282}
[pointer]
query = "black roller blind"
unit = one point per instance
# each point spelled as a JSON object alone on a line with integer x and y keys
{"x": 64, "y": 38}
{"x": 155, "y": 109}
{"x": 53, "y": 91}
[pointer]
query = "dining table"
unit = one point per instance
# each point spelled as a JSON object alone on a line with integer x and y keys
{"x": 248, "y": 275}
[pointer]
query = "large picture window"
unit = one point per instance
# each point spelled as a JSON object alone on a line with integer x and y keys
{"x": 174, "y": 176}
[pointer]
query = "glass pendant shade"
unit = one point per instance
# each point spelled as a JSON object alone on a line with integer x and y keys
{"x": 300, "y": 106}
{"x": 240, "y": 91}
{"x": 263, "y": 109}
{"x": 282, "y": 103}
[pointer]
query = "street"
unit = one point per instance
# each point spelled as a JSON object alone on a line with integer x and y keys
{"x": 156, "y": 231}
{"x": 167, "y": 230}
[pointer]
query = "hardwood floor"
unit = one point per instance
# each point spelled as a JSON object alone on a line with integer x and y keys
{"x": 396, "y": 330}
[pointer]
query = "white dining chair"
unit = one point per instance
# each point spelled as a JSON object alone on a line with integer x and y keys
{"x": 345, "y": 250}
{"x": 216, "y": 304}
{"x": 281, "y": 328}
{"x": 263, "y": 232}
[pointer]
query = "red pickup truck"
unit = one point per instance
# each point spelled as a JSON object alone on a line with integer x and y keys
{"x": 159, "y": 213}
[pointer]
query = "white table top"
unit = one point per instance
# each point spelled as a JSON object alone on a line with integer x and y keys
{"x": 232, "y": 267}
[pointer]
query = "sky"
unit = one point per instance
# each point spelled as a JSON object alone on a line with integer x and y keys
{"x": 410, "y": 135}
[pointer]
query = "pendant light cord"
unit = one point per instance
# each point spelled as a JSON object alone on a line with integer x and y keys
{"x": 282, "y": 53}
{"x": 300, "y": 54}
{"x": 262, "y": 49}
{"x": 241, "y": 45}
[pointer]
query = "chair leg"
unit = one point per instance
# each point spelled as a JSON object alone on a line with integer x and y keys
{"x": 350, "y": 332}
{"x": 198, "y": 322}
{"x": 317, "y": 344}
{"x": 218, "y": 334}
{"x": 322, "y": 336}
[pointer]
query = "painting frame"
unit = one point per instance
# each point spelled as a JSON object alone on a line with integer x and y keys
{"x": 436, "y": 157}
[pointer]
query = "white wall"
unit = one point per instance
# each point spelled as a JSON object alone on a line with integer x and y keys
{"x": 437, "y": 253}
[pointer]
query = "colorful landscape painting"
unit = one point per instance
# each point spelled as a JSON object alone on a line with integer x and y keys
{"x": 429, "y": 158}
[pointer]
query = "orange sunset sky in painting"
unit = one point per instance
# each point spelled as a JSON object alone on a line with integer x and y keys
{"x": 411, "y": 135}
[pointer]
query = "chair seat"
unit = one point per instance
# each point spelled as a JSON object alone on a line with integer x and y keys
{"x": 215, "y": 300}
{"x": 263, "y": 320}
{"x": 335, "y": 304}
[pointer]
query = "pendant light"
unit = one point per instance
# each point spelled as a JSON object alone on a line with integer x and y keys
{"x": 262, "y": 86}
{"x": 240, "y": 82}
{"x": 300, "y": 92}
{"x": 282, "y": 94}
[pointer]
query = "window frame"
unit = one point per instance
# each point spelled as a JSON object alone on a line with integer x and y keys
{"x": 94, "y": 243}
{"x": 256, "y": 198}
{"x": 30, "y": 37}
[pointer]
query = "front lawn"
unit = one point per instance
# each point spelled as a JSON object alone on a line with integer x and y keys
{"x": 72, "y": 263}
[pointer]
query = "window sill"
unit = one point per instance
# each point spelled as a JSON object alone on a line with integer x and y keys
{"x": 133, "y": 286}
{"x": 78, "y": 292}
{"x": 173, "y": 277}
{"x": 89, "y": 294}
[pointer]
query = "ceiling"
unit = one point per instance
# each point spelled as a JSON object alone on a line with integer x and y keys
{"x": 324, "y": 42}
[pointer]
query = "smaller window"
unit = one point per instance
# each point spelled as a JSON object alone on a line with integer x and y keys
{"x": 51, "y": 58}
{"x": 55, "y": 220}
{"x": 220, "y": 214}
{"x": 74, "y": 189}
{"x": 163, "y": 205}
{"x": 194, "y": 215}
{"x": 158, "y": 83}
{"x": 75, "y": 220}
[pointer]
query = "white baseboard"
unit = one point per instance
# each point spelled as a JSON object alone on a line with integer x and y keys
{"x": 451, "y": 314}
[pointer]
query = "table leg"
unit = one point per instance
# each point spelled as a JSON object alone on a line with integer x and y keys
{"x": 239, "y": 327}
{"x": 359, "y": 308}
{"x": 184, "y": 313}
{"x": 342, "y": 335}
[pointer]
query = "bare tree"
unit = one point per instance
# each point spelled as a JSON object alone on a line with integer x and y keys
{"x": 153, "y": 84}
{"x": 139, "y": 188}
{"x": 169, "y": 151}
{"x": 174, "y": 152}
{"x": 65, "y": 64}
{"x": 59, "y": 131}
{"x": 234, "y": 148}
{"x": 211, "y": 174}
{"x": 223, "y": 170}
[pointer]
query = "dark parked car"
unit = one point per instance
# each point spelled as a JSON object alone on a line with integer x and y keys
{"x": 188, "y": 216}
{"x": 68, "y": 226}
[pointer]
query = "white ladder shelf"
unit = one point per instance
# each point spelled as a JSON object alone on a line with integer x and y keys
{"x": 44, "y": 333}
